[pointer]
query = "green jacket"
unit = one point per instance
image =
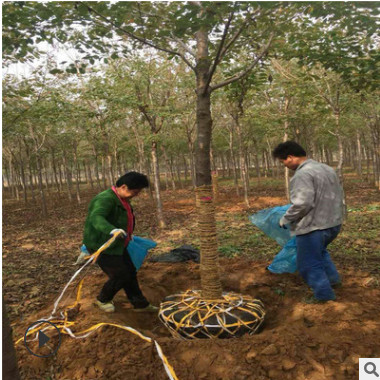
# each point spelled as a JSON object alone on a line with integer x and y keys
{"x": 105, "y": 213}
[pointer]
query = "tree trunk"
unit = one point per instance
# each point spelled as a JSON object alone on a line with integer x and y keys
{"x": 223, "y": 161}
{"x": 67, "y": 175}
{"x": 10, "y": 177}
{"x": 104, "y": 175}
{"x": 243, "y": 164}
{"x": 86, "y": 180}
{"x": 148, "y": 173}
{"x": 210, "y": 277}
{"x": 169, "y": 169}
{"x": 178, "y": 170}
{"x": 109, "y": 170}
{"x": 57, "y": 184}
{"x": 46, "y": 175}
{"x": 359, "y": 155}
{"x": 77, "y": 173}
{"x": 40, "y": 186}
{"x": 375, "y": 134}
{"x": 31, "y": 178}
{"x": 257, "y": 161}
{"x": 156, "y": 176}
{"x": 6, "y": 176}
{"x": 60, "y": 176}
{"x": 229, "y": 164}
{"x": 287, "y": 187}
{"x": 339, "y": 168}
{"x": 96, "y": 166}
{"x": 89, "y": 174}
{"x": 185, "y": 168}
{"x": 166, "y": 178}
{"x": 22, "y": 173}
{"x": 269, "y": 159}
{"x": 234, "y": 169}
{"x": 265, "y": 163}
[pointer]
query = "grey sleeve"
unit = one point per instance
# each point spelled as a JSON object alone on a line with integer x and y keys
{"x": 302, "y": 195}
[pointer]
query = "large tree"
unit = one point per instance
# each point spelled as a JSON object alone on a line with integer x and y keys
{"x": 207, "y": 36}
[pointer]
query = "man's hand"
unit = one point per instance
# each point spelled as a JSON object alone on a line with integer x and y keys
{"x": 282, "y": 223}
{"x": 122, "y": 234}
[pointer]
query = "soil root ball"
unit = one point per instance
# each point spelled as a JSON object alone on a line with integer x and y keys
{"x": 188, "y": 316}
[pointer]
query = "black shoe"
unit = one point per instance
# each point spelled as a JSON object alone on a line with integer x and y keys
{"x": 337, "y": 285}
{"x": 313, "y": 300}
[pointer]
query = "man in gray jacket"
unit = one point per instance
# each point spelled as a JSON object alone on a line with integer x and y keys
{"x": 315, "y": 217}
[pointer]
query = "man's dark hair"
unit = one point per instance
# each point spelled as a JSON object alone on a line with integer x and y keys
{"x": 288, "y": 148}
{"x": 133, "y": 180}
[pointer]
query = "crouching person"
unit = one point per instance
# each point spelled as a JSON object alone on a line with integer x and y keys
{"x": 110, "y": 212}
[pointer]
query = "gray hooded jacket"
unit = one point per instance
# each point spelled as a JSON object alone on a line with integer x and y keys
{"x": 316, "y": 198}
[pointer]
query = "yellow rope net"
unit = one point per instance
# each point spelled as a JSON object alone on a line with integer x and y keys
{"x": 187, "y": 315}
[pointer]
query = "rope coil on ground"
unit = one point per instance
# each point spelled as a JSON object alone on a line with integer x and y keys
{"x": 188, "y": 316}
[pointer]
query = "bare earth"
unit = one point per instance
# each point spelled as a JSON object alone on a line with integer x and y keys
{"x": 299, "y": 340}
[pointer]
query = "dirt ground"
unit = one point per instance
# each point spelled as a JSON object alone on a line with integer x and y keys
{"x": 298, "y": 341}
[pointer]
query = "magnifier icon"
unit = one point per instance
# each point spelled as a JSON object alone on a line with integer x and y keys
{"x": 371, "y": 370}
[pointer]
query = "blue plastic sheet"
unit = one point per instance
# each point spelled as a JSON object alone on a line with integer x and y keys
{"x": 267, "y": 221}
{"x": 138, "y": 248}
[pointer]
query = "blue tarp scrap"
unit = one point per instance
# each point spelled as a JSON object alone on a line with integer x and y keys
{"x": 267, "y": 221}
{"x": 138, "y": 248}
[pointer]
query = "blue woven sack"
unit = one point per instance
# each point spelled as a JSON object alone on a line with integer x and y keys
{"x": 138, "y": 248}
{"x": 267, "y": 221}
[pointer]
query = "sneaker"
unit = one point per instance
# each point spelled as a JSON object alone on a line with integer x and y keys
{"x": 108, "y": 307}
{"x": 150, "y": 309}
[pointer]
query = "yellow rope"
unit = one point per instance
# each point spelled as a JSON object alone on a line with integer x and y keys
{"x": 63, "y": 324}
{"x": 210, "y": 278}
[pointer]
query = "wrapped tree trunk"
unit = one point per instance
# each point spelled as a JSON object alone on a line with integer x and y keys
{"x": 210, "y": 277}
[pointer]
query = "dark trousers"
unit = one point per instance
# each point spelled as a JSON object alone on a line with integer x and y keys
{"x": 314, "y": 263}
{"x": 122, "y": 275}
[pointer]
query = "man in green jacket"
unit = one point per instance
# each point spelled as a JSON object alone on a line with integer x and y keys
{"x": 110, "y": 212}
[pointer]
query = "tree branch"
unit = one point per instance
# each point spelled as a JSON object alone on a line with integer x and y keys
{"x": 247, "y": 70}
{"x": 140, "y": 39}
{"x": 233, "y": 39}
{"x": 236, "y": 35}
{"x": 183, "y": 45}
{"x": 332, "y": 133}
{"x": 328, "y": 101}
{"x": 216, "y": 60}
{"x": 185, "y": 48}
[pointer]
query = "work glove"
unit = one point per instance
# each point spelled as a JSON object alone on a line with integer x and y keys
{"x": 83, "y": 253}
{"x": 282, "y": 223}
{"x": 116, "y": 230}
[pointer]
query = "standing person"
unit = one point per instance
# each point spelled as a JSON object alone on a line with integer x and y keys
{"x": 315, "y": 217}
{"x": 110, "y": 212}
